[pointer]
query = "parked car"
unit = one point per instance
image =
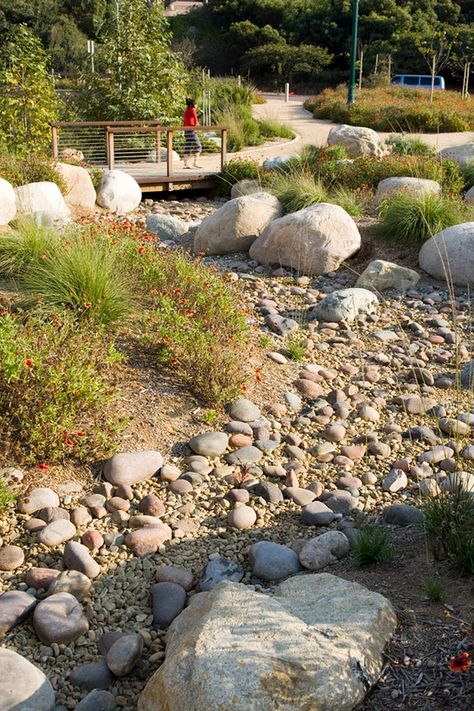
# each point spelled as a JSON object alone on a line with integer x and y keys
{"x": 418, "y": 81}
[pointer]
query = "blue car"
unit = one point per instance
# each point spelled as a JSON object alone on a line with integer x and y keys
{"x": 418, "y": 81}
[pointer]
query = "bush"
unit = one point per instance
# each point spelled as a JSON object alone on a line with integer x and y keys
{"x": 449, "y": 520}
{"x": 54, "y": 386}
{"x": 33, "y": 168}
{"x": 405, "y": 146}
{"x": 270, "y": 128}
{"x": 395, "y": 109}
{"x": 296, "y": 190}
{"x": 6, "y": 495}
{"x": 373, "y": 544}
{"x": 235, "y": 170}
{"x": 74, "y": 271}
{"x": 468, "y": 175}
{"x": 415, "y": 218}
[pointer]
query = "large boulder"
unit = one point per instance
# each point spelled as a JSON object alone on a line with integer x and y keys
{"x": 80, "y": 190}
{"x": 316, "y": 643}
{"x": 345, "y": 305}
{"x": 469, "y": 196}
{"x": 118, "y": 192}
{"x": 449, "y": 255}
{"x": 278, "y": 162}
{"x": 412, "y": 186}
{"x": 315, "y": 240}
{"x": 42, "y": 200}
{"x": 151, "y": 157}
{"x": 462, "y": 155}
{"x": 166, "y": 226}
{"x": 245, "y": 187}
{"x": 357, "y": 140}
{"x": 236, "y": 224}
{"x": 7, "y": 202}
{"x": 380, "y": 275}
{"x": 23, "y": 687}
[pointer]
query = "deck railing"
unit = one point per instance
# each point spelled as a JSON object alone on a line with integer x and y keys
{"x": 126, "y": 144}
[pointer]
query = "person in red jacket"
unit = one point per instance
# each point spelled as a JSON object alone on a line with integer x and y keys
{"x": 192, "y": 144}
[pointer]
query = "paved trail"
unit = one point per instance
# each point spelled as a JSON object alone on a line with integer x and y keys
{"x": 316, "y": 131}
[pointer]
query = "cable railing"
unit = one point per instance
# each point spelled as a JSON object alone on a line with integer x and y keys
{"x": 145, "y": 149}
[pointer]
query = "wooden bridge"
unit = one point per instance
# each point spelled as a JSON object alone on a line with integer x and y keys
{"x": 146, "y": 150}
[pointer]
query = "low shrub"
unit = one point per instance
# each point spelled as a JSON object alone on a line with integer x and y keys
{"x": 296, "y": 190}
{"x": 395, "y": 109}
{"x": 32, "y": 168}
{"x": 415, "y": 218}
{"x": 372, "y": 544}
{"x": 6, "y": 494}
{"x": 434, "y": 590}
{"x": 405, "y": 146}
{"x": 271, "y": 128}
{"x": 449, "y": 521}
{"x": 55, "y": 385}
{"x": 235, "y": 170}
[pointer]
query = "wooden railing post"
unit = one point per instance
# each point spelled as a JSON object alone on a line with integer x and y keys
{"x": 158, "y": 145}
{"x": 110, "y": 148}
{"x": 223, "y": 146}
{"x": 169, "y": 154}
{"x": 54, "y": 139}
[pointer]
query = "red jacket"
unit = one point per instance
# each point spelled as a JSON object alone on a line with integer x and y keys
{"x": 190, "y": 117}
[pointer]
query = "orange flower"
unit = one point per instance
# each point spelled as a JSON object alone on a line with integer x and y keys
{"x": 87, "y": 305}
{"x": 141, "y": 250}
{"x": 69, "y": 442}
{"x": 28, "y": 363}
{"x": 79, "y": 434}
{"x": 43, "y": 467}
{"x": 460, "y": 663}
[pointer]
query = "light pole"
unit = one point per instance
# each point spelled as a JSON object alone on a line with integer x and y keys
{"x": 352, "y": 74}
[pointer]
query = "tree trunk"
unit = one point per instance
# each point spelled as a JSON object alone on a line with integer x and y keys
{"x": 376, "y": 64}
{"x": 433, "y": 74}
{"x": 361, "y": 67}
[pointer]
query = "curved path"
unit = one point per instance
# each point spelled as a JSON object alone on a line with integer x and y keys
{"x": 315, "y": 131}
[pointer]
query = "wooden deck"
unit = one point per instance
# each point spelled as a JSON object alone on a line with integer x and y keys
{"x": 153, "y": 177}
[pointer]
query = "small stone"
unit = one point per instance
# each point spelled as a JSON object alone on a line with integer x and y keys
{"x": 244, "y": 410}
{"x": 453, "y": 427}
{"x": 379, "y": 449}
{"x": 241, "y": 517}
{"x": 131, "y": 467}
{"x": 268, "y": 491}
{"x": 348, "y": 482}
{"x": 219, "y": 569}
{"x": 11, "y": 557}
{"x": 73, "y": 582}
{"x": 169, "y": 472}
{"x": 95, "y": 675}
{"x": 53, "y": 513}
{"x": 395, "y": 481}
{"x": 169, "y": 600}
{"x": 209, "y": 444}
{"x": 353, "y": 451}
{"x": 37, "y": 499}
{"x": 57, "y": 532}
{"x": 463, "y": 480}
{"x": 107, "y": 640}
{"x": 77, "y": 557}
{"x": 175, "y": 574}
{"x": 15, "y": 605}
{"x": 324, "y": 550}
{"x": 317, "y": 514}
{"x": 244, "y": 455}
{"x": 40, "y": 578}
{"x": 308, "y": 388}
{"x": 144, "y": 541}
{"x": 238, "y": 496}
{"x": 277, "y": 357}
{"x": 369, "y": 478}
{"x": 23, "y": 687}
{"x": 59, "y": 619}
{"x": 436, "y": 454}
{"x": 300, "y": 496}
{"x": 151, "y": 505}
{"x": 272, "y": 561}
{"x": 429, "y": 487}
{"x": 124, "y": 654}
{"x": 293, "y": 401}
{"x": 97, "y": 700}
{"x": 92, "y": 539}
{"x": 334, "y": 433}
{"x": 181, "y": 487}
{"x": 80, "y": 516}
{"x": 402, "y": 515}
{"x": 117, "y": 503}
{"x": 368, "y": 413}
{"x": 34, "y": 525}
{"x": 341, "y": 502}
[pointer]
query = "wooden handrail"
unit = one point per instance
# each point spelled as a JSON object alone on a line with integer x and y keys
{"x": 148, "y": 129}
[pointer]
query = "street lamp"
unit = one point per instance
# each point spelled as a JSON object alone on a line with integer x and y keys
{"x": 352, "y": 74}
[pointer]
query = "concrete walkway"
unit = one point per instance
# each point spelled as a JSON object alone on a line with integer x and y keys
{"x": 315, "y": 131}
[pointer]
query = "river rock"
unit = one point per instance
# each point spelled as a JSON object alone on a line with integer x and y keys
{"x": 59, "y": 619}
{"x": 380, "y": 275}
{"x": 324, "y": 550}
{"x": 124, "y": 654}
{"x": 402, "y": 515}
{"x": 11, "y": 557}
{"x": 219, "y": 569}
{"x": 357, "y": 140}
{"x": 97, "y": 700}
{"x": 73, "y": 582}
{"x": 131, "y": 467}
{"x": 169, "y": 600}
{"x": 146, "y": 540}
{"x": 395, "y": 481}
{"x": 95, "y": 675}
{"x": 317, "y": 514}
{"x": 345, "y": 305}
{"x": 118, "y": 191}
{"x": 449, "y": 255}
{"x": 40, "y": 578}
{"x": 15, "y": 605}
{"x": 175, "y": 574}
{"x": 272, "y": 561}
{"x": 209, "y": 444}
{"x": 36, "y": 500}
{"x": 77, "y": 557}
{"x": 244, "y": 410}
{"x": 23, "y": 687}
{"x": 241, "y": 517}
{"x": 236, "y": 225}
{"x": 57, "y": 532}
{"x": 332, "y": 629}
{"x": 315, "y": 240}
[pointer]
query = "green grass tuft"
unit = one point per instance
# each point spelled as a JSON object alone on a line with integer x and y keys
{"x": 434, "y": 590}
{"x": 373, "y": 544}
{"x": 295, "y": 347}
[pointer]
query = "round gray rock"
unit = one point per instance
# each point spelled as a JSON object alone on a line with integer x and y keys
{"x": 244, "y": 410}
{"x": 402, "y": 515}
{"x": 272, "y": 561}
{"x": 60, "y": 619}
{"x": 97, "y": 700}
{"x": 77, "y": 557}
{"x": 131, "y": 467}
{"x": 169, "y": 600}
{"x": 317, "y": 514}
{"x": 209, "y": 444}
{"x": 11, "y": 557}
{"x": 124, "y": 654}
{"x": 33, "y": 693}
{"x": 219, "y": 569}
{"x": 166, "y": 226}
{"x": 95, "y": 675}
{"x": 14, "y": 607}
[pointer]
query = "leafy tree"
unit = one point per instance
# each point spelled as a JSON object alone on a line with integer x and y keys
{"x": 138, "y": 76}
{"x": 28, "y": 100}
{"x": 287, "y": 60}
{"x": 462, "y": 38}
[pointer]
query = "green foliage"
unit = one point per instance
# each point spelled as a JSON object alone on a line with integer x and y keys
{"x": 54, "y": 387}
{"x": 138, "y": 76}
{"x": 270, "y": 128}
{"x": 468, "y": 175}
{"x": 31, "y": 168}
{"x": 295, "y": 347}
{"x": 415, "y": 218}
{"x": 72, "y": 271}
{"x": 288, "y": 61}
{"x": 235, "y": 170}
{"x": 210, "y": 416}
{"x": 449, "y": 521}
{"x": 28, "y": 100}
{"x": 6, "y": 495}
{"x": 373, "y": 544}
{"x": 405, "y": 146}
{"x": 353, "y": 202}
{"x": 296, "y": 190}
{"x": 434, "y": 590}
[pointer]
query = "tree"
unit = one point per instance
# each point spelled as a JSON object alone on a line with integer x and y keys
{"x": 435, "y": 47}
{"x": 288, "y": 61}
{"x": 28, "y": 100}
{"x": 138, "y": 76}
{"x": 463, "y": 53}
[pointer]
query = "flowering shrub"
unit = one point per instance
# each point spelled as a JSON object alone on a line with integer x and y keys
{"x": 235, "y": 170}
{"x": 55, "y": 381}
{"x": 32, "y": 168}
{"x": 395, "y": 109}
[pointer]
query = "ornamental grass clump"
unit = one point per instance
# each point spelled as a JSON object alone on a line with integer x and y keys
{"x": 56, "y": 382}
{"x": 413, "y": 219}
{"x": 373, "y": 544}
{"x": 296, "y": 190}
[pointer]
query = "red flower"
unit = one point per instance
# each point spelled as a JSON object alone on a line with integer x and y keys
{"x": 141, "y": 250}
{"x": 79, "y": 434}
{"x": 87, "y": 305}
{"x": 28, "y": 362}
{"x": 43, "y": 467}
{"x": 460, "y": 663}
{"x": 69, "y": 442}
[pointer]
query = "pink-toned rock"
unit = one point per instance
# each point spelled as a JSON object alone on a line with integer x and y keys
{"x": 291, "y": 479}
{"x": 241, "y": 517}
{"x": 334, "y": 433}
{"x": 403, "y": 464}
{"x": 11, "y": 557}
{"x": 368, "y": 413}
{"x": 144, "y": 541}
{"x": 353, "y": 451}
{"x": 169, "y": 473}
{"x": 342, "y": 461}
{"x": 33, "y": 525}
{"x": 131, "y": 467}
{"x": 151, "y": 505}
{"x": 181, "y": 486}
{"x": 308, "y": 388}
{"x": 116, "y": 503}
{"x": 240, "y": 440}
{"x": 238, "y": 496}
{"x": 40, "y": 577}
{"x": 124, "y": 491}
{"x": 92, "y": 539}
{"x": 80, "y": 516}
{"x": 348, "y": 482}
